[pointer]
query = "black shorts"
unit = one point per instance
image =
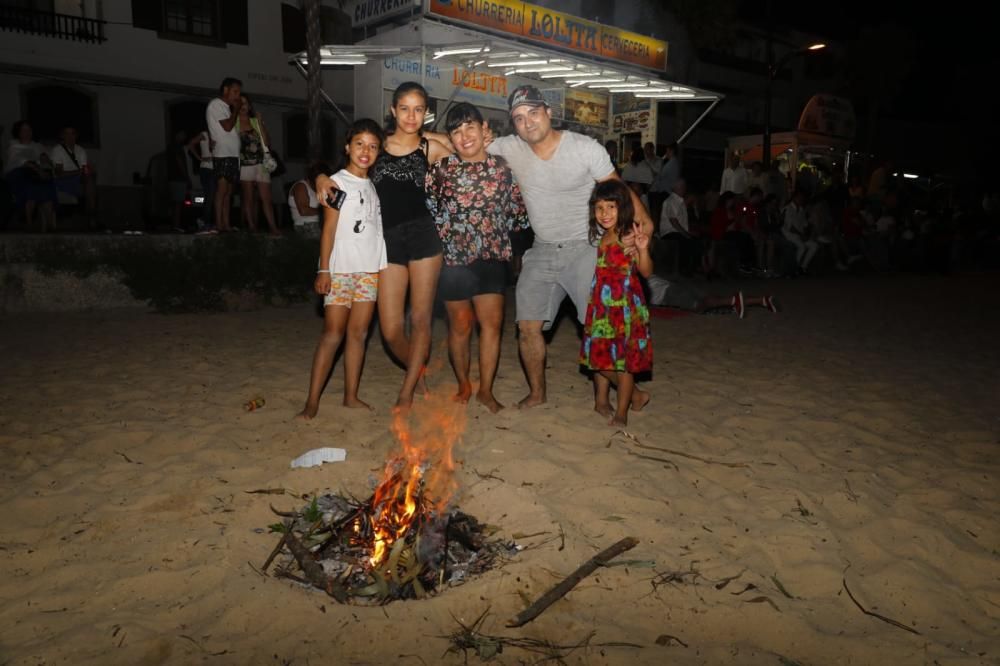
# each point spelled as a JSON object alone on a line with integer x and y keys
{"x": 227, "y": 167}
{"x": 412, "y": 240}
{"x": 461, "y": 283}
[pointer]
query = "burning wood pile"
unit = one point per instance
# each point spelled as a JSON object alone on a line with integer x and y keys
{"x": 403, "y": 542}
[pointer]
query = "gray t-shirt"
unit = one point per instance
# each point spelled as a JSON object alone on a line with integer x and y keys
{"x": 557, "y": 191}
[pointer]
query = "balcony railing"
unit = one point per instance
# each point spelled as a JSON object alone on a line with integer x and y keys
{"x": 60, "y": 26}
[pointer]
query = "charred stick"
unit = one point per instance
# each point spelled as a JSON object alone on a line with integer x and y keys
{"x": 277, "y": 549}
{"x": 568, "y": 583}
{"x": 313, "y": 570}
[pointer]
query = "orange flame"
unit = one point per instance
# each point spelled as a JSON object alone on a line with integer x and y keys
{"x": 419, "y": 479}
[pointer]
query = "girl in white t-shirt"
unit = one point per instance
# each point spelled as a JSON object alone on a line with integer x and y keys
{"x": 352, "y": 252}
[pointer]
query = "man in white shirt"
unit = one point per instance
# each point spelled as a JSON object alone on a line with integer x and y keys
{"x": 222, "y": 117}
{"x": 74, "y": 173}
{"x": 734, "y": 178}
{"x": 674, "y": 227}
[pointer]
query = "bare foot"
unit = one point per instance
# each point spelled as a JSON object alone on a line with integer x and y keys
{"x": 354, "y": 403}
{"x": 639, "y": 400}
{"x": 530, "y": 401}
{"x": 604, "y": 409}
{"x": 617, "y": 420}
{"x": 403, "y": 405}
{"x": 464, "y": 391}
{"x": 489, "y": 402}
{"x": 308, "y": 412}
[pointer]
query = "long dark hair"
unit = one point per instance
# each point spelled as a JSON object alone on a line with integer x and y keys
{"x": 404, "y": 88}
{"x": 617, "y": 192}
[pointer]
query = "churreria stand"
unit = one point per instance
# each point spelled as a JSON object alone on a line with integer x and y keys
{"x": 599, "y": 80}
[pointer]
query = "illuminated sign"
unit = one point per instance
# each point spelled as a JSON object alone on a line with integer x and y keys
{"x": 372, "y": 12}
{"x": 546, "y": 26}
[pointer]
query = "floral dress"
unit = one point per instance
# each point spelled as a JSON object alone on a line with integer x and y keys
{"x": 476, "y": 206}
{"x": 616, "y": 330}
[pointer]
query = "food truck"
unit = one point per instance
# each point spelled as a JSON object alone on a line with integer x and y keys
{"x": 599, "y": 80}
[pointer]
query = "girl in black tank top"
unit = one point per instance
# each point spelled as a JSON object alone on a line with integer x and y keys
{"x": 399, "y": 181}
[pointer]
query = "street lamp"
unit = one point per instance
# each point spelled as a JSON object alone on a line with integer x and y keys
{"x": 772, "y": 70}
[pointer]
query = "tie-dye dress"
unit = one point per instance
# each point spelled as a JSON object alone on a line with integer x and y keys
{"x": 616, "y": 330}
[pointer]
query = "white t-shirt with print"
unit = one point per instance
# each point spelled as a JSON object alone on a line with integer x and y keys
{"x": 227, "y": 144}
{"x": 358, "y": 246}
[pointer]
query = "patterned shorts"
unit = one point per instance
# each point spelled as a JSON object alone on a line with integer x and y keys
{"x": 348, "y": 288}
{"x": 227, "y": 167}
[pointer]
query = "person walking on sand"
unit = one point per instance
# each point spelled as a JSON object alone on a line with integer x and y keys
{"x": 352, "y": 252}
{"x": 616, "y": 340}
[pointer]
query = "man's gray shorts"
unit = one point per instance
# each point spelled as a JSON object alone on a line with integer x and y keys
{"x": 550, "y": 272}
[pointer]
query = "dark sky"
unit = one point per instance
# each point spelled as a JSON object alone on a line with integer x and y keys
{"x": 952, "y": 50}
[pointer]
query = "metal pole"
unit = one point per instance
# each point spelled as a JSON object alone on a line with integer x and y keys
{"x": 314, "y": 80}
{"x": 697, "y": 122}
{"x": 766, "y": 156}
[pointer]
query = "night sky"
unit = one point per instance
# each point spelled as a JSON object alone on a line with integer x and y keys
{"x": 939, "y": 116}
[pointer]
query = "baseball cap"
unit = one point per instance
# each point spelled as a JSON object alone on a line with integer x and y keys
{"x": 527, "y": 95}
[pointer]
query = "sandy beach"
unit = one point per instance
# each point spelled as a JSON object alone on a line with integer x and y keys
{"x": 854, "y": 437}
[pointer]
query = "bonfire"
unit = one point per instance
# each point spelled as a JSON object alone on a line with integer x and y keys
{"x": 406, "y": 540}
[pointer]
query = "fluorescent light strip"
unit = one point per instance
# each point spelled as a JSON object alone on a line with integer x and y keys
{"x": 461, "y": 51}
{"x": 666, "y": 95}
{"x": 583, "y": 81}
{"x": 633, "y": 84}
{"x": 570, "y": 75}
{"x": 517, "y": 63}
{"x": 536, "y": 70}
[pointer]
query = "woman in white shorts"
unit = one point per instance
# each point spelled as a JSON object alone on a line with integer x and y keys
{"x": 254, "y": 178}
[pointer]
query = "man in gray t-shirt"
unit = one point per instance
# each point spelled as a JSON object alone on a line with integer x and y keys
{"x": 556, "y": 170}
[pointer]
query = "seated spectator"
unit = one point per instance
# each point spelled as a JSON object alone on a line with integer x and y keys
{"x": 303, "y": 204}
{"x": 29, "y": 174}
{"x": 674, "y": 229}
{"x": 74, "y": 175}
{"x": 724, "y": 219}
{"x": 797, "y": 231}
{"x": 638, "y": 174}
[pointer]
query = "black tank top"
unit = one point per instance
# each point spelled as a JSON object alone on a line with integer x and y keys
{"x": 399, "y": 181}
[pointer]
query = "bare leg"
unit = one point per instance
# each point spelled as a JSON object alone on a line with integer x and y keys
{"x": 392, "y": 284}
{"x": 531, "y": 345}
{"x": 602, "y": 395}
{"x": 461, "y": 320}
{"x": 223, "y": 194}
{"x": 266, "y": 205}
{"x": 354, "y": 351}
{"x": 423, "y": 286}
{"x": 639, "y": 397}
{"x": 626, "y": 384}
{"x": 489, "y": 311}
{"x": 248, "y": 204}
{"x": 334, "y": 323}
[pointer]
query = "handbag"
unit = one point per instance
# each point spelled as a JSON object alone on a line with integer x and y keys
{"x": 272, "y": 162}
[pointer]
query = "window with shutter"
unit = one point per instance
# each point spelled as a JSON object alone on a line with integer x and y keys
{"x": 293, "y": 29}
